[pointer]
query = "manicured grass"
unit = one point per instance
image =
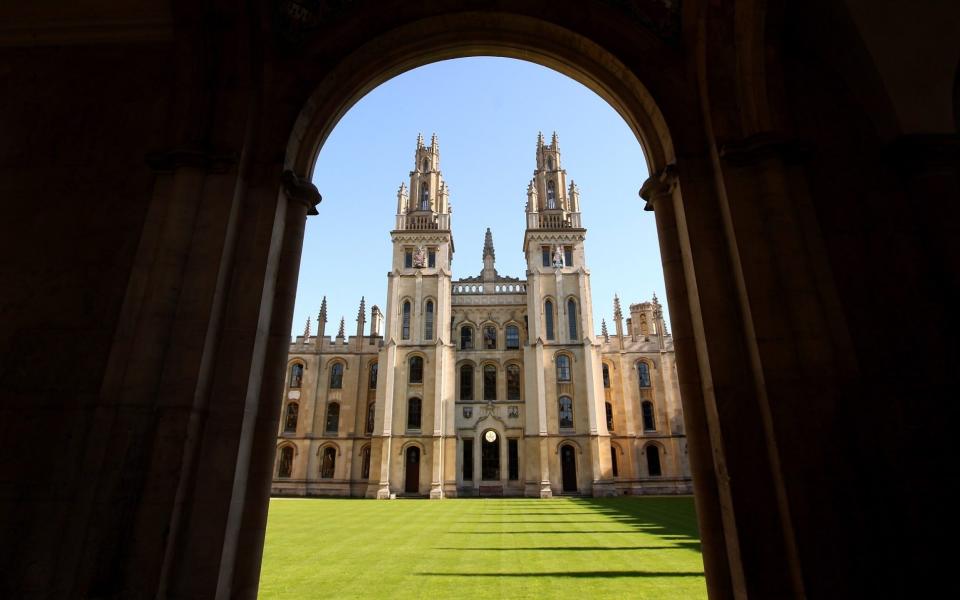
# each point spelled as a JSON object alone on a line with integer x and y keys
{"x": 482, "y": 548}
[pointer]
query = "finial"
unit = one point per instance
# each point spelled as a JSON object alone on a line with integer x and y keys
{"x": 323, "y": 311}
{"x": 419, "y": 140}
{"x": 617, "y": 313}
{"x": 306, "y": 330}
{"x": 488, "y": 245}
{"x": 539, "y": 140}
{"x": 433, "y": 140}
{"x": 553, "y": 141}
{"x": 603, "y": 330}
{"x": 341, "y": 333}
{"x": 655, "y": 301}
{"x": 361, "y": 314}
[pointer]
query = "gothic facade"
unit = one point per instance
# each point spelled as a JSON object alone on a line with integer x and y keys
{"x": 487, "y": 385}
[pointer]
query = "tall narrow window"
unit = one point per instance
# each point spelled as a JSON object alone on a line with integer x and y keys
{"x": 405, "y": 322}
{"x": 649, "y": 424}
{"x": 513, "y": 459}
{"x": 432, "y": 258}
{"x": 296, "y": 375}
{"x": 548, "y": 318}
{"x": 489, "y": 382}
{"x": 466, "y": 338}
{"x": 285, "y": 467}
{"x": 566, "y": 412}
{"x": 408, "y": 259}
{"x": 416, "y": 369}
{"x": 563, "y": 367}
{"x": 290, "y": 422}
{"x": 490, "y": 456}
{"x": 426, "y": 165}
{"x": 365, "y": 463}
{"x": 513, "y": 382}
{"x": 372, "y": 381}
{"x": 336, "y": 376}
{"x": 466, "y": 382}
{"x": 572, "y": 319}
{"x": 606, "y": 376}
{"x": 513, "y": 337}
{"x": 613, "y": 461}
{"x": 643, "y": 374}
{"x": 371, "y": 416}
{"x": 653, "y": 461}
{"x": 328, "y": 463}
{"x": 413, "y": 413}
{"x": 490, "y": 337}
{"x": 551, "y": 194}
{"x": 333, "y": 417}
{"x": 428, "y": 321}
{"x": 545, "y": 256}
{"x": 609, "y": 416}
{"x": 568, "y": 256}
{"x": 424, "y": 196}
{"x": 467, "y": 465}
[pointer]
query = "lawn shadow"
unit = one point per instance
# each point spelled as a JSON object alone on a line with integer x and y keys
{"x": 681, "y": 545}
{"x": 573, "y": 574}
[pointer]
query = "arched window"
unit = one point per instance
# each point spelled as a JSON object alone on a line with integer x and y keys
{"x": 424, "y": 196}
{"x": 296, "y": 375}
{"x": 466, "y": 338}
{"x": 643, "y": 374}
{"x": 490, "y": 337}
{"x": 333, "y": 417}
{"x": 649, "y": 424}
{"x": 426, "y": 165}
{"x": 566, "y": 412}
{"x": 613, "y": 461}
{"x": 548, "y": 318}
{"x": 290, "y": 422}
{"x": 405, "y": 322}
{"x": 644, "y": 329}
{"x": 551, "y": 194}
{"x": 489, "y": 382}
{"x": 653, "y": 461}
{"x": 513, "y": 382}
{"x": 285, "y": 467}
{"x": 416, "y": 369}
{"x": 414, "y": 406}
{"x": 550, "y": 163}
{"x": 328, "y": 463}
{"x": 563, "y": 367}
{"x": 371, "y": 416}
{"x": 609, "y": 416}
{"x": 428, "y": 321}
{"x": 336, "y": 376}
{"x": 372, "y": 380}
{"x": 513, "y": 337}
{"x": 572, "y": 318}
{"x": 365, "y": 462}
{"x": 606, "y": 376}
{"x": 466, "y": 382}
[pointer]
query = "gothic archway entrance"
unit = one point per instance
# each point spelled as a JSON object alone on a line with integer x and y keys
{"x": 568, "y": 468}
{"x": 412, "y": 481}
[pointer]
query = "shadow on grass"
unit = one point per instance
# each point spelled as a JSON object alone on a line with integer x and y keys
{"x": 574, "y": 574}
{"x": 682, "y": 545}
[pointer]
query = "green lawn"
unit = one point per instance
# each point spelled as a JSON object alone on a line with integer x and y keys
{"x": 482, "y": 548}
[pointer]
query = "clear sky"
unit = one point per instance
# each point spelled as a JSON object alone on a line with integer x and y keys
{"x": 486, "y": 113}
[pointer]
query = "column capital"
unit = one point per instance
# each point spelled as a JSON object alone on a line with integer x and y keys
{"x": 658, "y": 185}
{"x": 301, "y": 190}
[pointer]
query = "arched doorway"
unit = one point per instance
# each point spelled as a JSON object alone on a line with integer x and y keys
{"x": 412, "y": 466}
{"x": 490, "y": 457}
{"x": 568, "y": 468}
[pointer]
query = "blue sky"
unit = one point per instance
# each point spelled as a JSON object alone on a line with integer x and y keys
{"x": 486, "y": 113}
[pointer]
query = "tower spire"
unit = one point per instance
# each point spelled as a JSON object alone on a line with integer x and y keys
{"x": 618, "y": 319}
{"x": 306, "y": 330}
{"x": 341, "y": 333}
{"x": 361, "y": 317}
{"x": 603, "y": 331}
{"x": 489, "y": 271}
{"x": 488, "y": 245}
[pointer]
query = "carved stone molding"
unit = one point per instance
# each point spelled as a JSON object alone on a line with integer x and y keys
{"x": 167, "y": 161}
{"x": 658, "y": 185}
{"x": 301, "y": 190}
{"x": 763, "y": 146}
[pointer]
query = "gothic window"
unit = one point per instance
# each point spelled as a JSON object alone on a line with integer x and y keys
{"x": 413, "y": 413}
{"x": 408, "y": 259}
{"x": 551, "y": 195}
{"x": 333, "y": 418}
{"x": 566, "y": 412}
{"x": 372, "y": 381}
{"x": 285, "y": 467}
{"x": 328, "y": 463}
{"x": 466, "y": 338}
{"x": 405, "y": 322}
{"x": 416, "y": 369}
{"x": 568, "y": 256}
{"x": 563, "y": 367}
{"x": 606, "y": 376}
{"x": 609, "y": 416}
{"x": 371, "y": 416}
{"x": 426, "y": 165}
{"x": 653, "y": 461}
{"x": 424, "y": 196}
{"x": 549, "y": 163}
{"x": 290, "y": 422}
{"x": 545, "y": 254}
{"x": 513, "y": 382}
{"x": 489, "y": 382}
{"x": 643, "y": 374}
{"x": 490, "y": 337}
{"x": 648, "y": 421}
{"x": 513, "y": 337}
{"x": 432, "y": 258}
{"x": 548, "y": 318}
{"x": 613, "y": 461}
{"x": 572, "y": 319}
{"x": 428, "y": 321}
{"x": 365, "y": 463}
{"x": 336, "y": 376}
{"x": 466, "y": 382}
{"x": 296, "y": 375}
{"x": 467, "y": 464}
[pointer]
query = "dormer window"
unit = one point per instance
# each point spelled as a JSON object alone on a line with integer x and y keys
{"x": 551, "y": 195}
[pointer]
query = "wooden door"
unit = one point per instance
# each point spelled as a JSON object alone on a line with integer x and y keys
{"x": 413, "y": 471}
{"x": 568, "y": 464}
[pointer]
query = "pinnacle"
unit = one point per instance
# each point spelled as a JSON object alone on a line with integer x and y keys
{"x": 323, "y": 311}
{"x": 341, "y": 333}
{"x": 488, "y": 244}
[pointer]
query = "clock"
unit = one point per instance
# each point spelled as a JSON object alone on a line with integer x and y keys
{"x": 490, "y": 436}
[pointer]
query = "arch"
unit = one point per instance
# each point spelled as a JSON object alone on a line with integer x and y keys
{"x": 605, "y": 369}
{"x": 551, "y": 194}
{"x": 409, "y": 443}
{"x": 285, "y": 455}
{"x": 365, "y": 461}
{"x": 572, "y": 318}
{"x": 490, "y": 455}
{"x": 428, "y": 314}
{"x": 513, "y": 374}
{"x": 328, "y": 461}
{"x": 424, "y": 196}
{"x": 649, "y": 416}
{"x": 414, "y": 413}
{"x": 295, "y": 379}
{"x": 415, "y": 369}
{"x": 405, "y": 320}
{"x": 465, "y": 376}
{"x": 337, "y": 367}
{"x": 372, "y": 373}
{"x": 568, "y": 468}
{"x": 332, "y": 424}
{"x": 548, "y": 316}
{"x": 290, "y": 417}
{"x": 489, "y": 379}
{"x": 643, "y": 373}
{"x": 565, "y": 412}
{"x": 489, "y": 333}
{"x": 411, "y": 468}
{"x": 652, "y": 452}
{"x": 512, "y": 336}
{"x": 562, "y": 360}
{"x": 466, "y": 336}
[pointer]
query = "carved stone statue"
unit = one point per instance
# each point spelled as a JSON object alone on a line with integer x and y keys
{"x": 420, "y": 258}
{"x": 558, "y": 257}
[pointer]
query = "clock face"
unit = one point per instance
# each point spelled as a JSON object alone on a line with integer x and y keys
{"x": 490, "y": 436}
